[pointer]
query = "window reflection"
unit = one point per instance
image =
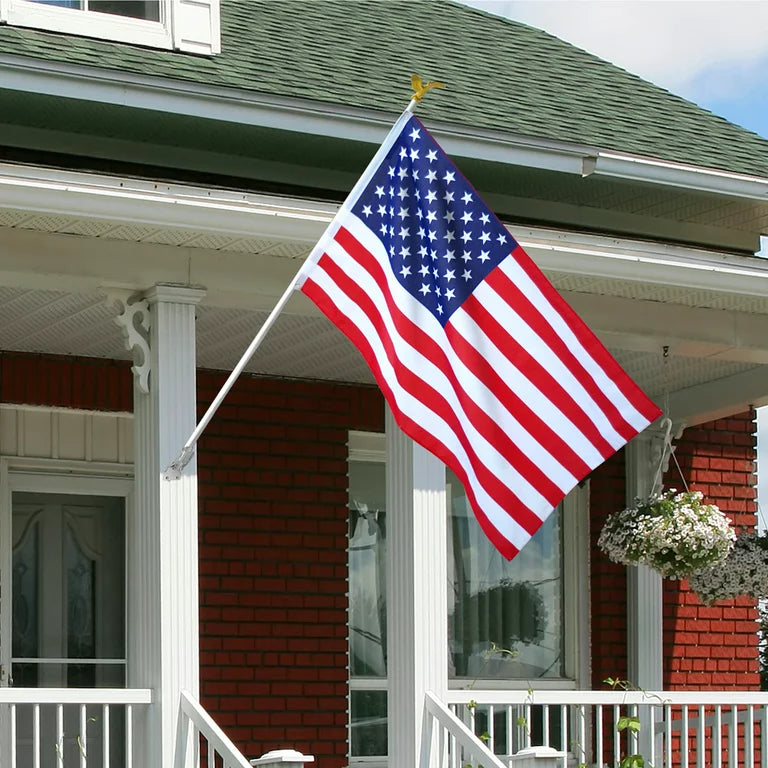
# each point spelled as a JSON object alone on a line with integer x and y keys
{"x": 136, "y": 9}
{"x": 513, "y": 606}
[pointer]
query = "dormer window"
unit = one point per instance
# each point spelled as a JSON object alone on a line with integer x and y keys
{"x": 185, "y": 25}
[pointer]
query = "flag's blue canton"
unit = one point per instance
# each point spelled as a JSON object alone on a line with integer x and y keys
{"x": 441, "y": 238}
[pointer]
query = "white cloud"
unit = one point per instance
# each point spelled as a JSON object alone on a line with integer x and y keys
{"x": 699, "y": 49}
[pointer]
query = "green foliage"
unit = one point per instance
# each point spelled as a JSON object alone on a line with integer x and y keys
{"x": 628, "y": 723}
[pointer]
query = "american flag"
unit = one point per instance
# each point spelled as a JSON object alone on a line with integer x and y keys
{"x": 478, "y": 356}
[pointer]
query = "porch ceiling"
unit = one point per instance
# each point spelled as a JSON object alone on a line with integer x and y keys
{"x": 53, "y": 322}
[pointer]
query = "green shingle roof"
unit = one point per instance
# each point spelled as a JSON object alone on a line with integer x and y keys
{"x": 502, "y": 75}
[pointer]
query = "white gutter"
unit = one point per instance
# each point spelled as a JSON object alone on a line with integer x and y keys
{"x": 80, "y": 195}
{"x": 677, "y": 175}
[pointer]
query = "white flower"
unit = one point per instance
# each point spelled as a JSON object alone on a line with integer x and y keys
{"x": 744, "y": 572}
{"x": 674, "y": 533}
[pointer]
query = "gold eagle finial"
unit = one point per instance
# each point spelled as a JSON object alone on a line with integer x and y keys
{"x": 419, "y": 88}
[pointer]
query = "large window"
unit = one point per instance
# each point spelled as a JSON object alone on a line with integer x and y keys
{"x": 504, "y": 617}
{"x": 187, "y": 25}
{"x": 509, "y": 623}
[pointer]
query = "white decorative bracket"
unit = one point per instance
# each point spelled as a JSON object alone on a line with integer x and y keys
{"x": 133, "y": 317}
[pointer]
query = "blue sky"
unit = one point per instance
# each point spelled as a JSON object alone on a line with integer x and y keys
{"x": 712, "y": 52}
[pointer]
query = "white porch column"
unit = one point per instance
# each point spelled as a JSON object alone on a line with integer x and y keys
{"x": 417, "y": 625}
{"x": 163, "y": 644}
{"x": 644, "y": 596}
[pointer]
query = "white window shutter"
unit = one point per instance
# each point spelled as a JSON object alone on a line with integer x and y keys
{"x": 196, "y": 26}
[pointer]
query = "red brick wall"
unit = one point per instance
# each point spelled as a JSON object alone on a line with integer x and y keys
{"x": 704, "y": 647}
{"x": 714, "y": 647}
{"x": 66, "y": 382}
{"x": 273, "y": 561}
{"x": 608, "y": 581}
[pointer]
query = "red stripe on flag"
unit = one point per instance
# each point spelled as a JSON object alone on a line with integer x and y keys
{"x": 501, "y": 283}
{"x": 536, "y": 373}
{"x": 425, "y": 393}
{"x": 533, "y": 424}
{"x": 407, "y": 424}
{"x": 430, "y": 349}
{"x": 589, "y": 341}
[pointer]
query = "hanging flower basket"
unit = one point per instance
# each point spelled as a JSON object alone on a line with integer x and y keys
{"x": 744, "y": 572}
{"x": 674, "y": 533}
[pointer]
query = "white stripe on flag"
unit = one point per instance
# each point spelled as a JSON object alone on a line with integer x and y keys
{"x": 608, "y": 386}
{"x": 524, "y": 335}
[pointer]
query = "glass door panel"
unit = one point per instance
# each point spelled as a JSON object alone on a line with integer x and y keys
{"x": 67, "y": 614}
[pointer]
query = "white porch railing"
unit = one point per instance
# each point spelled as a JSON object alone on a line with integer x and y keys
{"x": 217, "y": 748}
{"x": 677, "y": 729}
{"x": 63, "y": 727}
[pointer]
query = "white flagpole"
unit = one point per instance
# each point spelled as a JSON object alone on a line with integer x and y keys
{"x": 176, "y": 467}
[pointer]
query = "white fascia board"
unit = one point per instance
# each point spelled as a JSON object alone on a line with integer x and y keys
{"x": 691, "y": 177}
{"x": 162, "y": 205}
{"x": 343, "y": 122}
{"x": 255, "y": 109}
{"x": 200, "y": 209}
{"x": 644, "y": 261}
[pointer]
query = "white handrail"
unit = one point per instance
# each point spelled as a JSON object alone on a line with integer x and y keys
{"x": 75, "y": 696}
{"x": 657, "y": 698}
{"x": 194, "y": 713}
{"x": 464, "y": 737}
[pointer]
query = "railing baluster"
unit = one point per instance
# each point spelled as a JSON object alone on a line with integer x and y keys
{"x": 764, "y": 738}
{"x": 583, "y": 733}
{"x": 684, "y": 738}
{"x": 491, "y": 729}
{"x": 36, "y": 736}
{"x": 527, "y": 730}
{"x": 652, "y": 730}
{"x": 599, "y": 735}
{"x": 749, "y": 736}
{"x": 128, "y": 736}
{"x": 60, "y": 731}
{"x": 545, "y": 724}
{"x": 105, "y": 734}
{"x": 717, "y": 737}
{"x": 510, "y": 731}
{"x": 634, "y": 737}
{"x": 83, "y": 739}
{"x": 564, "y": 726}
{"x": 13, "y": 735}
{"x": 733, "y": 738}
{"x": 701, "y": 737}
{"x": 211, "y": 750}
{"x": 616, "y": 735}
{"x": 668, "y": 733}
